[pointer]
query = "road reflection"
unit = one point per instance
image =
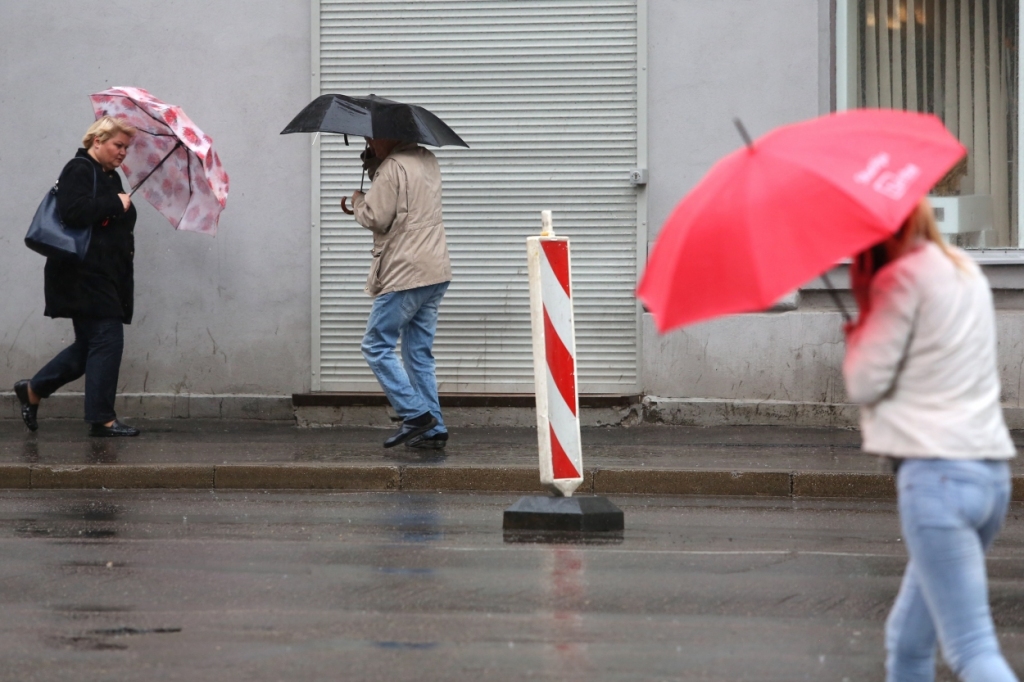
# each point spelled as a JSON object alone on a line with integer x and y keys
{"x": 566, "y": 652}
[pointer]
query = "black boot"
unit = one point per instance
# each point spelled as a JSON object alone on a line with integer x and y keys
{"x": 412, "y": 427}
{"x": 28, "y": 410}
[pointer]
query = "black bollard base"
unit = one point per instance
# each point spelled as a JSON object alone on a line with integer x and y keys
{"x": 563, "y": 515}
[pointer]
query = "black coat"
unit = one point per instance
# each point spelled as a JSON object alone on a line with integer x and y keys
{"x": 103, "y": 285}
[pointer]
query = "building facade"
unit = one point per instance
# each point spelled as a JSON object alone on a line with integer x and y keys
{"x": 606, "y": 112}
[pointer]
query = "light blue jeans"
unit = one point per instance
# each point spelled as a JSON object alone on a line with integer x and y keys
{"x": 410, "y": 384}
{"x": 951, "y": 511}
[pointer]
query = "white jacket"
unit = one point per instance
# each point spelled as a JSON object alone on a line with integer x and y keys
{"x": 923, "y": 363}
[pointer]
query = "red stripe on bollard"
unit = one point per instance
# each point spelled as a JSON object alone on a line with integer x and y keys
{"x": 558, "y": 258}
{"x": 561, "y": 364}
{"x": 560, "y": 463}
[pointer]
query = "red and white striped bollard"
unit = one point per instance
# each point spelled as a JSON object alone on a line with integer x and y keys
{"x": 554, "y": 360}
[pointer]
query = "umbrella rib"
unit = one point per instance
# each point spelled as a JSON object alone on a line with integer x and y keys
{"x": 143, "y": 111}
{"x": 188, "y": 169}
{"x": 167, "y": 156}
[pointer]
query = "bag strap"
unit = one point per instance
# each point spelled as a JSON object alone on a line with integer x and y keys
{"x": 92, "y": 166}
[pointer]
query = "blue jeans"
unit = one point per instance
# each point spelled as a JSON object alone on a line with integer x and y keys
{"x": 951, "y": 511}
{"x": 96, "y": 353}
{"x": 410, "y": 384}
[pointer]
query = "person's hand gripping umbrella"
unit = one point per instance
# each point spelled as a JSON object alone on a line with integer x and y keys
{"x": 372, "y": 117}
{"x": 170, "y": 160}
{"x": 786, "y": 208}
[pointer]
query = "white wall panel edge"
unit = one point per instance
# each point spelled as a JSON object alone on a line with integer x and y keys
{"x": 314, "y": 203}
{"x": 641, "y": 162}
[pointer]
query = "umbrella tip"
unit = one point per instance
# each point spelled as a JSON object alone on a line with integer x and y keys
{"x": 743, "y": 133}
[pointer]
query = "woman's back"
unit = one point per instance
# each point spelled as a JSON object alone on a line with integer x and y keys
{"x": 924, "y": 365}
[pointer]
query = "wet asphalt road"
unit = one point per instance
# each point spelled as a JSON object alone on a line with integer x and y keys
{"x": 139, "y": 585}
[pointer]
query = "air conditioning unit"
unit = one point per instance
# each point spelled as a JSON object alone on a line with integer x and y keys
{"x": 967, "y": 214}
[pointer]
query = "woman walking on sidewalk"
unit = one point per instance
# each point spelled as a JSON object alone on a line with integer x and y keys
{"x": 97, "y": 294}
{"x": 921, "y": 362}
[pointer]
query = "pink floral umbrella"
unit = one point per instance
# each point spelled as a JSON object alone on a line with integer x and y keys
{"x": 171, "y": 160}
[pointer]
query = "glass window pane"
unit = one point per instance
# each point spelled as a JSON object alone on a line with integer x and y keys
{"x": 956, "y": 59}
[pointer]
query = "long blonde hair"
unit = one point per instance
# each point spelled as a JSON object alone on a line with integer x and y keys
{"x": 921, "y": 222}
{"x": 105, "y": 128}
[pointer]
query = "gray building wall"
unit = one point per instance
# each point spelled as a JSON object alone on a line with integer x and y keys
{"x": 712, "y": 61}
{"x": 227, "y": 315}
{"x": 768, "y": 64}
{"x": 230, "y": 316}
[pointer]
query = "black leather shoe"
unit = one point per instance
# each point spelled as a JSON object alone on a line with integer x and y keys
{"x": 115, "y": 430}
{"x": 416, "y": 426}
{"x": 435, "y": 442}
{"x": 28, "y": 410}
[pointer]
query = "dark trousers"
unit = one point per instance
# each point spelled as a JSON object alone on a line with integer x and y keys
{"x": 96, "y": 353}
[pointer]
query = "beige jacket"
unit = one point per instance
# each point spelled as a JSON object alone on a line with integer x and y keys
{"x": 923, "y": 364}
{"x": 403, "y": 210}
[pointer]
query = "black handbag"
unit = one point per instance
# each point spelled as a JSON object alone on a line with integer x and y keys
{"x": 49, "y": 236}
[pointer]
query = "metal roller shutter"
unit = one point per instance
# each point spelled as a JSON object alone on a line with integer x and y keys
{"x": 545, "y": 93}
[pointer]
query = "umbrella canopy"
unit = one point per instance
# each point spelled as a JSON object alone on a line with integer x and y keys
{"x": 170, "y": 160}
{"x": 783, "y": 210}
{"x": 374, "y": 117}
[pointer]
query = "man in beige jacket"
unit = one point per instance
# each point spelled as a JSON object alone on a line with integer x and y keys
{"x": 408, "y": 278}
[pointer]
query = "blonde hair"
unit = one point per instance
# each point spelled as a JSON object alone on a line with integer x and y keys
{"x": 921, "y": 222}
{"x": 104, "y": 129}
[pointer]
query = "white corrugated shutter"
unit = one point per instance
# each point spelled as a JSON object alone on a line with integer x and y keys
{"x": 545, "y": 93}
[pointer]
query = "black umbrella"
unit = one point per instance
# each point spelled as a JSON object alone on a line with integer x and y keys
{"x": 374, "y": 117}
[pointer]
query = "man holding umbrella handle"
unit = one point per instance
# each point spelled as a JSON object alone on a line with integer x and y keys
{"x": 370, "y": 165}
{"x": 409, "y": 276}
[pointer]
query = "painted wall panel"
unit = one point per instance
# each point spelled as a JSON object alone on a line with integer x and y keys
{"x": 228, "y": 315}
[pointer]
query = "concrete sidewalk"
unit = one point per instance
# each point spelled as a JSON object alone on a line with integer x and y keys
{"x": 648, "y": 459}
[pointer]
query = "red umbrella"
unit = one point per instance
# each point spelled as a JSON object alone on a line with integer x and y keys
{"x": 784, "y": 209}
{"x": 170, "y": 160}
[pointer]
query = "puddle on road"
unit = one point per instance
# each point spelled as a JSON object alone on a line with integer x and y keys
{"x": 83, "y": 519}
{"x": 406, "y": 646}
{"x": 64, "y": 533}
{"x": 104, "y": 639}
{"x": 91, "y": 510}
{"x": 125, "y": 630}
{"x": 84, "y": 643}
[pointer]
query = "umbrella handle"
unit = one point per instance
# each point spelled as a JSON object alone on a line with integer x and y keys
{"x": 345, "y": 208}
